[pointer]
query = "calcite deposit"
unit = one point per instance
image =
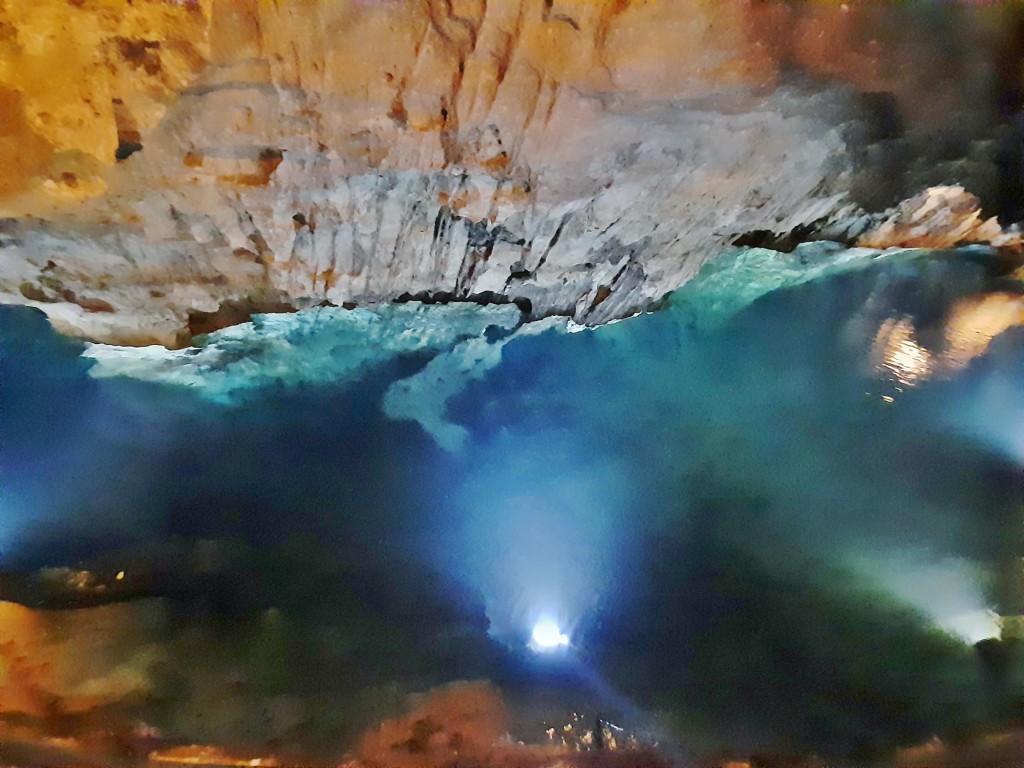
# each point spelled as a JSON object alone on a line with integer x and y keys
{"x": 171, "y": 167}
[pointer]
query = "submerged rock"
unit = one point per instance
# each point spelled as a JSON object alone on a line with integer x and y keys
{"x": 316, "y": 346}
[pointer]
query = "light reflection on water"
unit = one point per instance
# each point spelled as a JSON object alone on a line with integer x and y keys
{"x": 783, "y": 534}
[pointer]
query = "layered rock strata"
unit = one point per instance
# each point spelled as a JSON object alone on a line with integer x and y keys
{"x": 175, "y": 166}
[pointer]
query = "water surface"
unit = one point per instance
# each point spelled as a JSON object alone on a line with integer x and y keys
{"x": 783, "y": 531}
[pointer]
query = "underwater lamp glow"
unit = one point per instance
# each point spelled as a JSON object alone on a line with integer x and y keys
{"x": 547, "y": 636}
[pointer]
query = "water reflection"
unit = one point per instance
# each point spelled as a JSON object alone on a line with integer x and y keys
{"x": 971, "y": 325}
{"x": 897, "y": 353}
{"x": 745, "y": 546}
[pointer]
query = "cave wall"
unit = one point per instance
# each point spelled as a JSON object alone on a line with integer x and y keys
{"x": 175, "y": 166}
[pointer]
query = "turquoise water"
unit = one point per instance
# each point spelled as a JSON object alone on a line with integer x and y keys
{"x": 752, "y": 535}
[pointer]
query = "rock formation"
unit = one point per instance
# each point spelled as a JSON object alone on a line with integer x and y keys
{"x": 172, "y": 167}
{"x": 940, "y": 217}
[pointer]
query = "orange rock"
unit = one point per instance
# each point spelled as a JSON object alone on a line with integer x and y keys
{"x": 463, "y": 720}
{"x": 940, "y": 217}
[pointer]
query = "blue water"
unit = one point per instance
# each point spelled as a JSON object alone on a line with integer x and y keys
{"x": 752, "y": 540}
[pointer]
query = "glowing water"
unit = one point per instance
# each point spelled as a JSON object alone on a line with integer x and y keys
{"x": 765, "y": 533}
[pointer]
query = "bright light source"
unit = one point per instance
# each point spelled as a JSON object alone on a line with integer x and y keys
{"x": 547, "y": 636}
{"x": 973, "y": 626}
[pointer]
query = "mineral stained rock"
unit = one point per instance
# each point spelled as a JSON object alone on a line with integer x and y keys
{"x": 172, "y": 167}
{"x": 940, "y": 217}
